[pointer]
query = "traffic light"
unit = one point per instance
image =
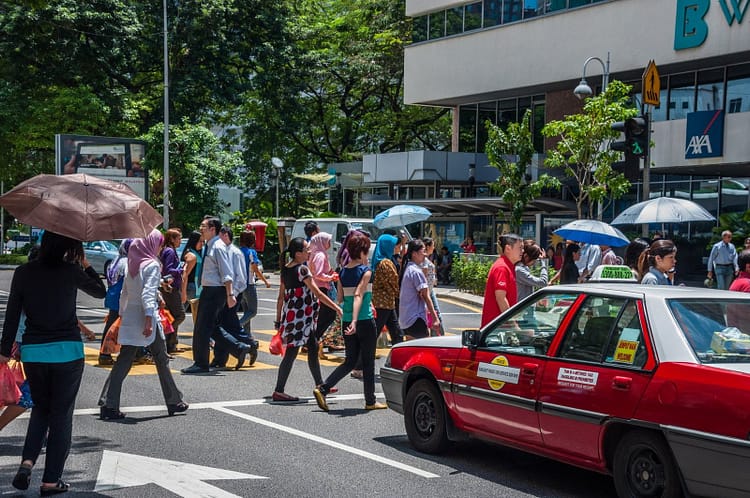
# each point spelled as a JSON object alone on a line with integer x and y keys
{"x": 636, "y": 141}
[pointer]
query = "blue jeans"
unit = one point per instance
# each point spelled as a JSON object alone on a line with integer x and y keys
{"x": 249, "y": 301}
{"x": 724, "y": 276}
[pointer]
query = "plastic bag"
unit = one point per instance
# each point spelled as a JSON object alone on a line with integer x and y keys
{"x": 165, "y": 317}
{"x": 277, "y": 347}
{"x": 18, "y": 373}
{"x": 110, "y": 344}
{"x": 9, "y": 391}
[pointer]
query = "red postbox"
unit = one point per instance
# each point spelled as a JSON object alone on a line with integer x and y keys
{"x": 259, "y": 228}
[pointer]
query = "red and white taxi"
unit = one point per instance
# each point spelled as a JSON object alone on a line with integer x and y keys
{"x": 650, "y": 384}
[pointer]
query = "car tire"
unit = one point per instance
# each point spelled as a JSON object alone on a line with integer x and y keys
{"x": 425, "y": 417}
{"x": 644, "y": 467}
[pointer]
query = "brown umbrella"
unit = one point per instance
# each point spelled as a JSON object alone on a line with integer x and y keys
{"x": 82, "y": 207}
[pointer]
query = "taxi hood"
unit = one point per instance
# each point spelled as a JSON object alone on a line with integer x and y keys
{"x": 447, "y": 341}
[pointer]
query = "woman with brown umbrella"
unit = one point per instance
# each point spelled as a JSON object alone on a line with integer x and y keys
{"x": 52, "y": 351}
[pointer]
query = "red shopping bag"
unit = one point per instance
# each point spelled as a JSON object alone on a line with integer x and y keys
{"x": 18, "y": 373}
{"x": 277, "y": 346}
{"x": 166, "y": 319}
{"x": 9, "y": 391}
{"x": 110, "y": 345}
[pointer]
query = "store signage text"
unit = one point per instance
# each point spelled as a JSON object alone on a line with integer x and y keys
{"x": 691, "y": 29}
{"x": 704, "y": 135}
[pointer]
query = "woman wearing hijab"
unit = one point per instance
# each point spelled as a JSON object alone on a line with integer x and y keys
{"x": 385, "y": 286}
{"x": 139, "y": 327}
{"x": 52, "y": 352}
{"x": 324, "y": 278}
{"x": 115, "y": 277}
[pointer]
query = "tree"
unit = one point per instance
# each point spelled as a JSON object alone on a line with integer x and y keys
{"x": 583, "y": 147}
{"x": 197, "y": 164}
{"x": 514, "y": 186}
{"x": 339, "y": 94}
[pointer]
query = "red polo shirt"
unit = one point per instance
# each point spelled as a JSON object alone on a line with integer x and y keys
{"x": 502, "y": 276}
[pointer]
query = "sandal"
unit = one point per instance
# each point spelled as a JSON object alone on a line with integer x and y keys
{"x": 23, "y": 478}
{"x": 60, "y": 487}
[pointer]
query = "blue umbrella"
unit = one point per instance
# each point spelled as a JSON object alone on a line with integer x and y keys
{"x": 400, "y": 215}
{"x": 592, "y": 232}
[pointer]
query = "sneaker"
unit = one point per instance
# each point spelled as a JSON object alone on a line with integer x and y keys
{"x": 376, "y": 406}
{"x": 320, "y": 398}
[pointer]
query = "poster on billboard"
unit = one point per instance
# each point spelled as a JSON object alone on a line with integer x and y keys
{"x": 112, "y": 158}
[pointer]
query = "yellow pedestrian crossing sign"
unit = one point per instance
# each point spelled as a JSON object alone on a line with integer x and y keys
{"x": 651, "y": 84}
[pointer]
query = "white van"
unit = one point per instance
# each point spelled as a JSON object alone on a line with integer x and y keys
{"x": 339, "y": 227}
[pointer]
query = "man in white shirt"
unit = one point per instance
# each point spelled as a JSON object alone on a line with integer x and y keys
{"x": 217, "y": 292}
{"x": 228, "y": 335}
{"x": 591, "y": 256}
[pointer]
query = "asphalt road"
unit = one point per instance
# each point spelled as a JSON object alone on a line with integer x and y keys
{"x": 235, "y": 442}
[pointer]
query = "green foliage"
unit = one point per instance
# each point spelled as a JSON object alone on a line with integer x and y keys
{"x": 469, "y": 273}
{"x": 13, "y": 259}
{"x": 582, "y": 151}
{"x": 197, "y": 164}
{"x": 737, "y": 223}
{"x": 513, "y": 185}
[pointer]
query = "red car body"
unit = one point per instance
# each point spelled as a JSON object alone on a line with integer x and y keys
{"x": 646, "y": 383}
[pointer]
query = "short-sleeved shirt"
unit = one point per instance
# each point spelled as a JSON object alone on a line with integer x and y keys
{"x": 502, "y": 277}
{"x": 741, "y": 283}
{"x": 410, "y": 305}
{"x": 385, "y": 288}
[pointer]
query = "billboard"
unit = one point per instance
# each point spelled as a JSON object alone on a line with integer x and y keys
{"x": 111, "y": 158}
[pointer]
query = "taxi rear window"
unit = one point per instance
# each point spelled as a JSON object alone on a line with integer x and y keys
{"x": 718, "y": 331}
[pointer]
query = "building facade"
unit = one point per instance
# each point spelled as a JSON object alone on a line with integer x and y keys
{"x": 493, "y": 59}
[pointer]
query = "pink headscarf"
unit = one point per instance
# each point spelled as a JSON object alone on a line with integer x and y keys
{"x": 143, "y": 251}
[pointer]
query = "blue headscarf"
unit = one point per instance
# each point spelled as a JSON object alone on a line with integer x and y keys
{"x": 384, "y": 249}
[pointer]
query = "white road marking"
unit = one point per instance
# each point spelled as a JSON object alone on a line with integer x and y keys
{"x": 328, "y": 442}
{"x": 123, "y": 470}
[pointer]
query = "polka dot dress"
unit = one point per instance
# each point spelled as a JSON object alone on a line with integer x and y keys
{"x": 300, "y": 311}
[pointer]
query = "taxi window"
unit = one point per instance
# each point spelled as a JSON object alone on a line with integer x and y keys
{"x": 530, "y": 329}
{"x": 718, "y": 331}
{"x": 606, "y": 330}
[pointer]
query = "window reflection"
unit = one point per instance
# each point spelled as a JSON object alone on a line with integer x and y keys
{"x": 454, "y": 21}
{"x": 738, "y": 88}
{"x": 710, "y": 90}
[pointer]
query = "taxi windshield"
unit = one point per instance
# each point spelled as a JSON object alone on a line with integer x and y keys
{"x": 718, "y": 331}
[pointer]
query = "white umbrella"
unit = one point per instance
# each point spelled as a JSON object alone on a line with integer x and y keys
{"x": 592, "y": 232}
{"x": 663, "y": 210}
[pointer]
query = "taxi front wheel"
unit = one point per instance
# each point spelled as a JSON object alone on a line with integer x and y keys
{"x": 644, "y": 467}
{"x": 424, "y": 417}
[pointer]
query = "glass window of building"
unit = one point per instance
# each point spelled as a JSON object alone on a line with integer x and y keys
{"x": 710, "y": 90}
{"x": 506, "y": 113}
{"x": 487, "y": 112}
{"x": 419, "y": 28}
{"x": 578, "y": 3}
{"x": 473, "y": 16}
{"x": 681, "y": 95}
{"x": 532, "y": 8}
{"x": 512, "y": 10}
{"x": 493, "y": 13}
{"x": 454, "y": 21}
{"x": 738, "y": 88}
{"x": 437, "y": 24}
{"x": 554, "y": 5}
{"x": 467, "y": 128}
{"x": 536, "y": 126}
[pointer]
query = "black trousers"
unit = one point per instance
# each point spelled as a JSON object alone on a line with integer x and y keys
{"x": 360, "y": 346}
{"x": 326, "y": 316}
{"x": 213, "y": 301}
{"x": 173, "y": 303}
{"x": 54, "y": 387}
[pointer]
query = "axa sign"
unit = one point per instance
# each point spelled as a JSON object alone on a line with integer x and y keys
{"x": 691, "y": 29}
{"x": 704, "y": 136}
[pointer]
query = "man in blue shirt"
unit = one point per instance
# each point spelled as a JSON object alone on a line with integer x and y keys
{"x": 722, "y": 261}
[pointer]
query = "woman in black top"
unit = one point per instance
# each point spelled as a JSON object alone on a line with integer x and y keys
{"x": 52, "y": 351}
{"x": 569, "y": 271}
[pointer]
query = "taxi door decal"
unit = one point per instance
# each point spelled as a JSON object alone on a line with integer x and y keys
{"x": 498, "y": 373}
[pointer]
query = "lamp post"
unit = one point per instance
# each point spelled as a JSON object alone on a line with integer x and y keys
{"x": 278, "y": 164}
{"x": 166, "y": 120}
{"x": 583, "y": 89}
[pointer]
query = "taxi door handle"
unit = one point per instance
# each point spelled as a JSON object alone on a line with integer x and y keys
{"x": 529, "y": 369}
{"x": 622, "y": 383}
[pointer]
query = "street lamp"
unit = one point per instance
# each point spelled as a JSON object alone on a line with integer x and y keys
{"x": 278, "y": 164}
{"x": 583, "y": 89}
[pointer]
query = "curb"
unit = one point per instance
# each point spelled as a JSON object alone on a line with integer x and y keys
{"x": 462, "y": 297}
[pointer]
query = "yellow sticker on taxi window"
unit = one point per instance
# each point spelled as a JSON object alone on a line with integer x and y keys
{"x": 625, "y": 352}
{"x": 498, "y": 373}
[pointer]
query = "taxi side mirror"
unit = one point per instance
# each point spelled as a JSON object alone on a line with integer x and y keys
{"x": 470, "y": 338}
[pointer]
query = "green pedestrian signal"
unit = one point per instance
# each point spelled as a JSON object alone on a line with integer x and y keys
{"x": 636, "y": 141}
